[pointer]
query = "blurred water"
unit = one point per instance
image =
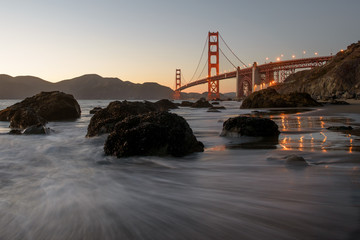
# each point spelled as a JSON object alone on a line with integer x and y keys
{"x": 58, "y": 187}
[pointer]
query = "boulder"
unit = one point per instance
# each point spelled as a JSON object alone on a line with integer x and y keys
{"x": 201, "y": 103}
{"x": 186, "y": 104}
{"x": 43, "y": 107}
{"x": 270, "y": 98}
{"x": 165, "y": 105}
{"x": 250, "y": 126}
{"x": 95, "y": 109}
{"x": 105, "y": 119}
{"x": 25, "y": 117}
{"x": 154, "y": 133}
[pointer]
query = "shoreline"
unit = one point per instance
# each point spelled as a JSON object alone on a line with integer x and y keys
{"x": 335, "y": 110}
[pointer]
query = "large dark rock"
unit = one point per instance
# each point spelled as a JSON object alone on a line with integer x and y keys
{"x": 155, "y": 133}
{"x": 95, "y": 109}
{"x": 201, "y": 103}
{"x": 186, "y": 104}
{"x": 165, "y": 105}
{"x": 105, "y": 119}
{"x": 250, "y": 126}
{"x": 43, "y": 107}
{"x": 25, "y": 117}
{"x": 270, "y": 98}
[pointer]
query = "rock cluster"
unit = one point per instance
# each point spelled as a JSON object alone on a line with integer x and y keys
{"x": 104, "y": 120}
{"x": 250, "y": 126}
{"x": 40, "y": 109}
{"x": 154, "y": 133}
{"x": 270, "y": 98}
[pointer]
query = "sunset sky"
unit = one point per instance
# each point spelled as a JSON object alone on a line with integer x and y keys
{"x": 145, "y": 41}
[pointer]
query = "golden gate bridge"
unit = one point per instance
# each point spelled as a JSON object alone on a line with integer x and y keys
{"x": 248, "y": 78}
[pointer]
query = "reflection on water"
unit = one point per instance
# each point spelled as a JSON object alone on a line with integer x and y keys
{"x": 305, "y": 133}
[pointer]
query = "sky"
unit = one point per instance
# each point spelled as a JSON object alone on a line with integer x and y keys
{"x": 146, "y": 41}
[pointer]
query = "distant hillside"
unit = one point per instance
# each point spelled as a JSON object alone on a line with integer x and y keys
{"x": 21, "y": 87}
{"x": 339, "y": 78}
{"x": 89, "y": 86}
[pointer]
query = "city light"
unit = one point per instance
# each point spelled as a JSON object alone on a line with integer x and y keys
{"x": 293, "y": 56}
{"x": 278, "y": 59}
{"x": 316, "y": 53}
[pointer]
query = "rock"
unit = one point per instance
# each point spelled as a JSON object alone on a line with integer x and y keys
{"x": 348, "y": 95}
{"x": 25, "y": 117}
{"x": 201, "y": 103}
{"x": 165, "y": 105}
{"x": 218, "y": 107}
{"x": 154, "y": 133}
{"x": 295, "y": 160}
{"x": 250, "y": 126}
{"x": 43, "y": 107}
{"x": 105, "y": 119}
{"x": 36, "y": 129}
{"x": 339, "y": 128}
{"x": 95, "y": 109}
{"x": 186, "y": 104}
{"x": 337, "y": 102}
{"x": 15, "y": 132}
{"x": 270, "y": 98}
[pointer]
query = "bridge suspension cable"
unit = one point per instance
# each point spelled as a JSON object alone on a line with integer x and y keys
{"x": 202, "y": 54}
{"x": 226, "y": 58}
{"x": 232, "y": 51}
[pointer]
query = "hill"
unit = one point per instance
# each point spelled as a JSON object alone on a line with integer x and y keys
{"x": 89, "y": 86}
{"x": 338, "y": 78}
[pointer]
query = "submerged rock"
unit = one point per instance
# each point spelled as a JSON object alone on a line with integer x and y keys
{"x": 41, "y": 108}
{"x": 155, "y": 133}
{"x": 250, "y": 126}
{"x": 295, "y": 160}
{"x": 36, "y": 129}
{"x": 340, "y": 128}
{"x": 270, "y": 98}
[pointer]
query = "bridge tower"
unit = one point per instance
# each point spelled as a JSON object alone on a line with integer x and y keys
{"x": 213, "y": 63}
{"x": 177, "y": 84}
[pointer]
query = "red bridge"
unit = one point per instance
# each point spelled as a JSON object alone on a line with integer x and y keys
{"x": 249, "y": 79}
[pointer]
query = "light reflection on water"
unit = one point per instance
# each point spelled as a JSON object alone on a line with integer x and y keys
{"x": 306, "y": 133}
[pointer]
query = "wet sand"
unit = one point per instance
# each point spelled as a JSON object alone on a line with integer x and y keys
{"x": 336, "y": 110}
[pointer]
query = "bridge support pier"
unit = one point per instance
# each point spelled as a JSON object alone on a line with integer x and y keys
{"x": 255, "y": 78}
{"x": 213, "y": 64}
{"x": 177, "y": 84}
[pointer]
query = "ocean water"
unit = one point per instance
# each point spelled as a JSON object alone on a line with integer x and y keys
{"x": 62, "y": 186}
